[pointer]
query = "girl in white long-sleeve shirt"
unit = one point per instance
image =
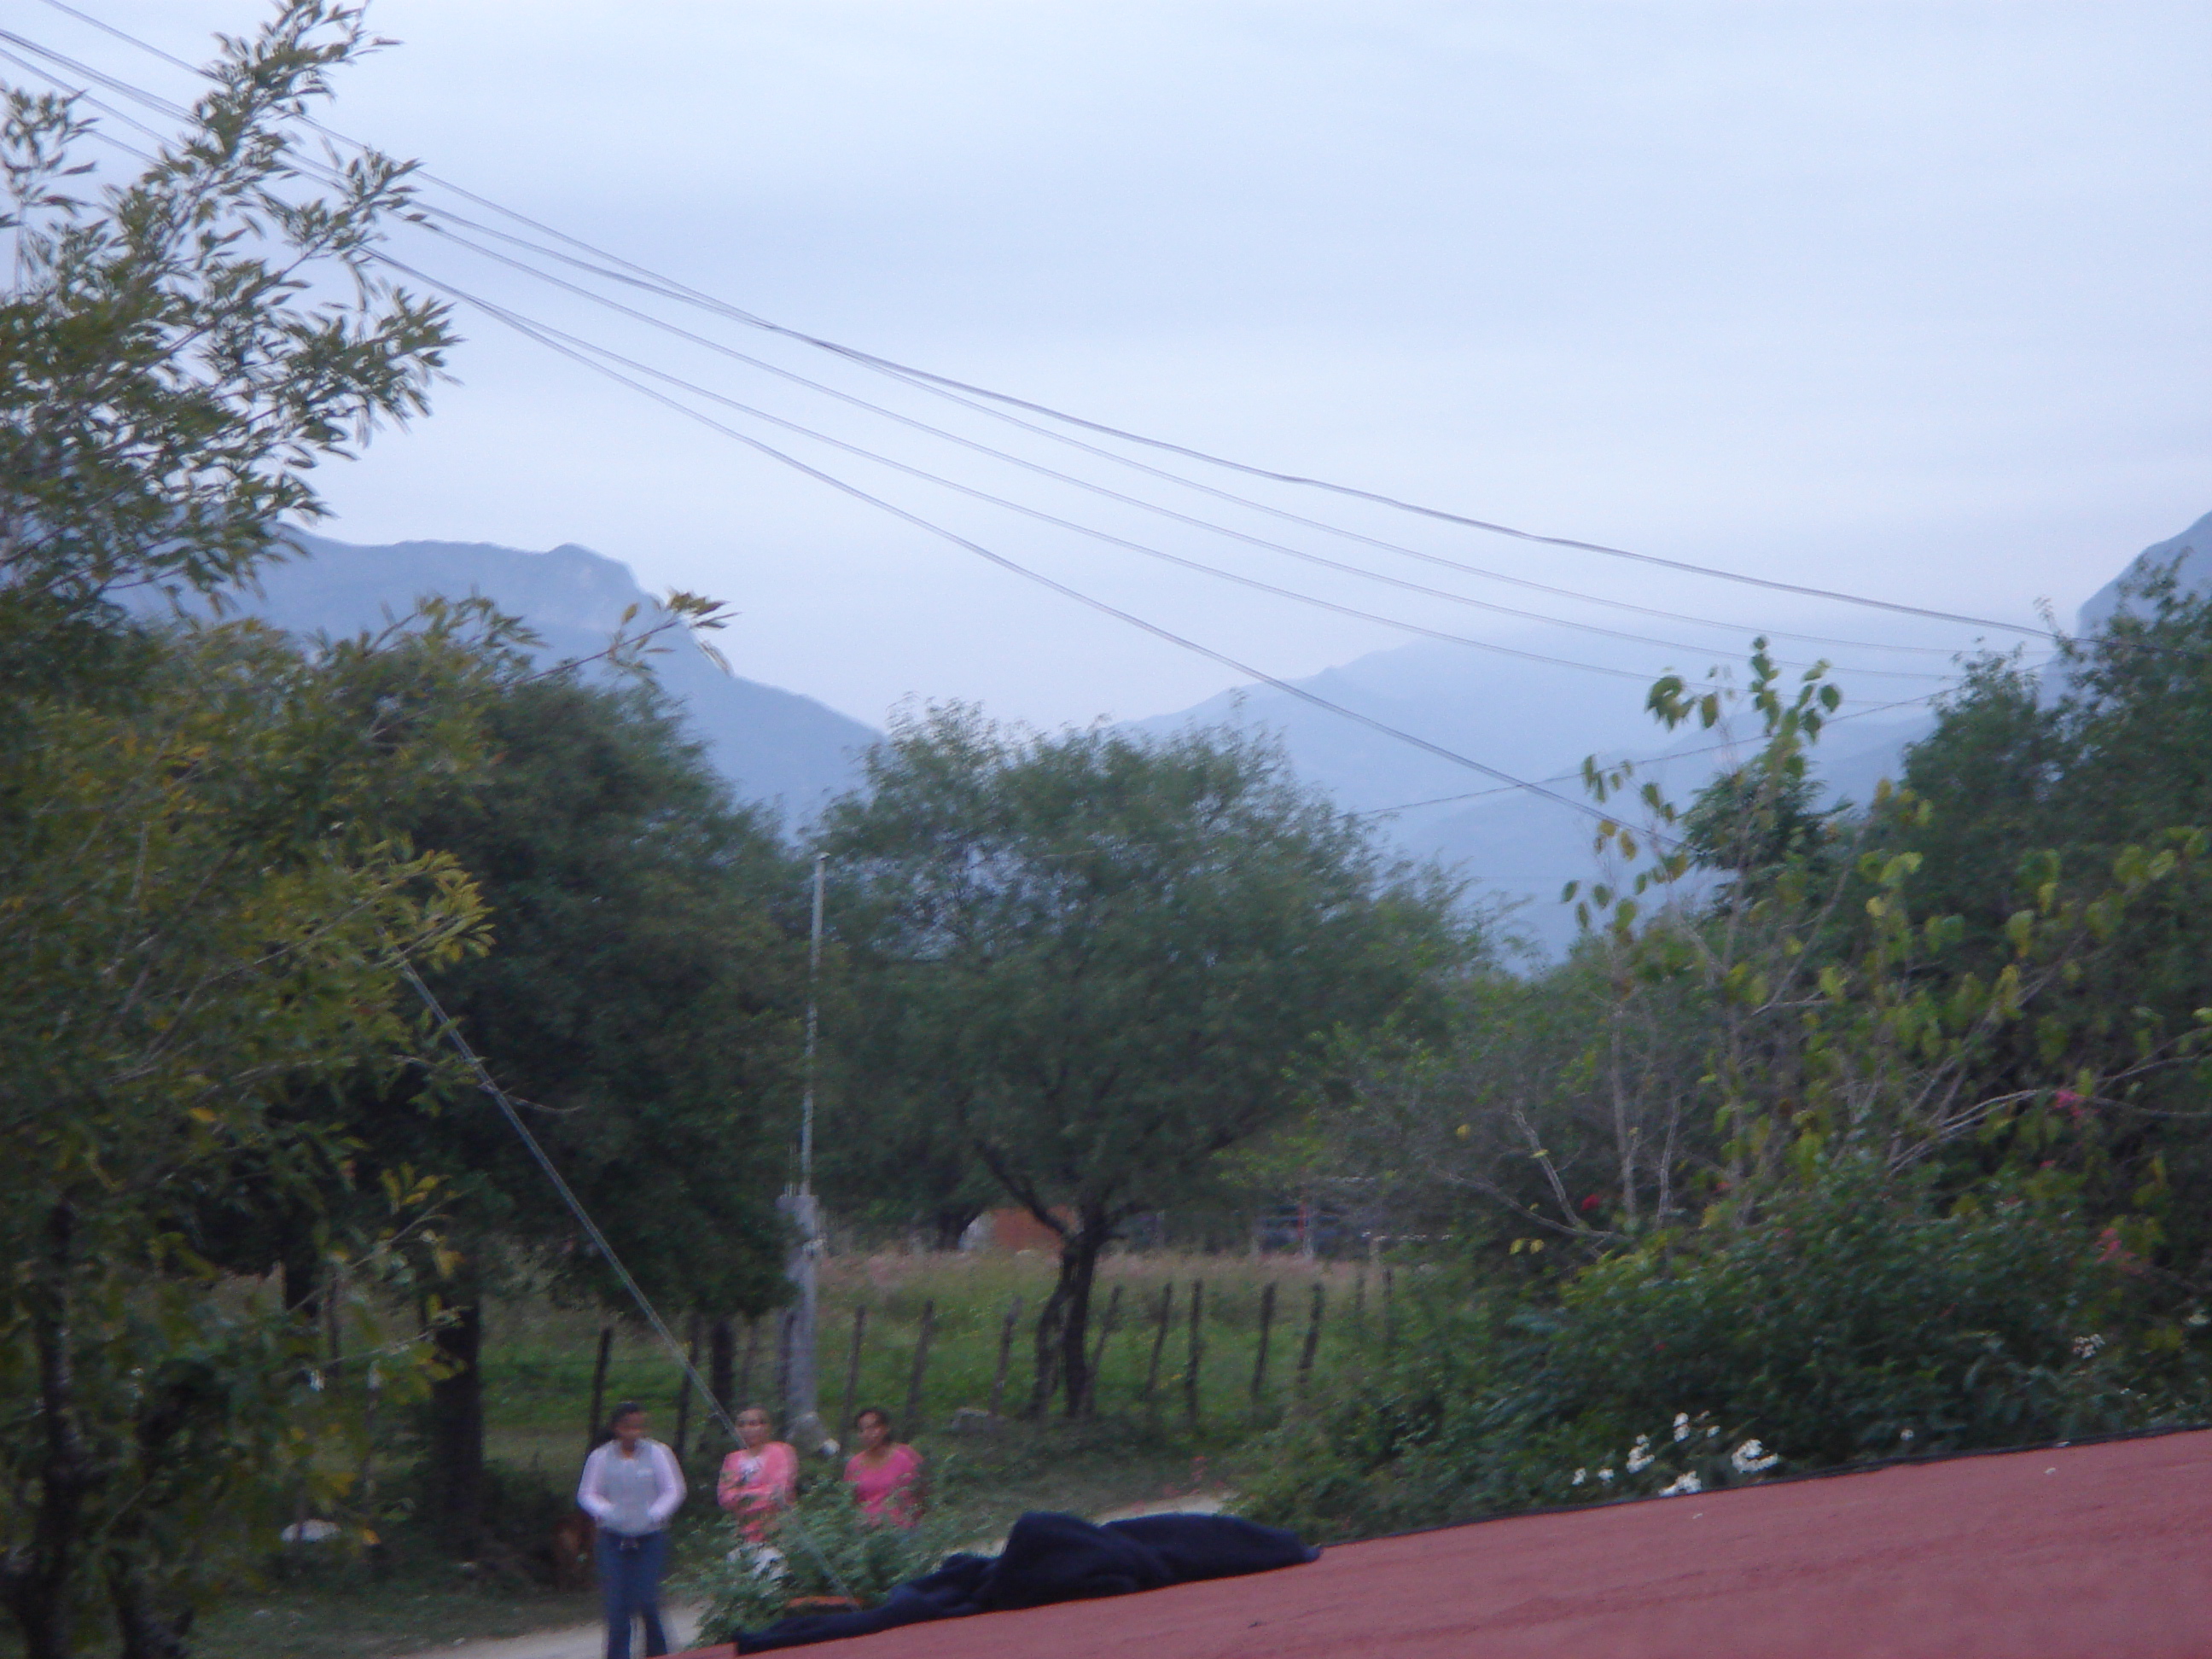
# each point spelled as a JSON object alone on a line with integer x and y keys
{"x": 631, "y": 1486}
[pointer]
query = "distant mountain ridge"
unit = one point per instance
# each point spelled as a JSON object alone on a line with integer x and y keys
{"x": 1537, "y": 723}
{"x": 774, "y": 746}
{"x": 2191, "y": 553}
{"x": 1534, "y": 721}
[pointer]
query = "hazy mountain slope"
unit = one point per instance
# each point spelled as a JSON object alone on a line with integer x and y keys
{"x": 2192, "y": 548}
{"x": 1537, "y": 722}
{"x": 773, "y": 745}
{"x": 1532, "y": 720}
{"x": 1526, "y": 719}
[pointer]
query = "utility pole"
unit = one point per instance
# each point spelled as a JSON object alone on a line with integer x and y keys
{"x": 802, "y": 1420}
{"x": 813, "y": 1013}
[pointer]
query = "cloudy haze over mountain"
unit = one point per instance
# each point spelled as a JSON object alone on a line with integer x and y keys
{"x": 1906, "y": 298}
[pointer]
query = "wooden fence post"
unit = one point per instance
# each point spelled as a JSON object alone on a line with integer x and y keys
{"x": 1390, "y": 1308}
{"x": 1159, "y": 1348}
{"x": 743, "y": 1395}
{"x": 1266, "y": 1326}
{"x": 599, "y": 1385}
{"x": 683, "y": 1390}
{"x": 1197, "y": 1349}
{"x": 721, "y": 1369}
{"x": 853, "y": 1372}
{"x": 1313, "y": 1342}
{"x": 1359, "y": 1299}
{"x": 1006, "y": 1354}
{"x": 1098, "y": 1353}
{"x": 913, "y": 1419}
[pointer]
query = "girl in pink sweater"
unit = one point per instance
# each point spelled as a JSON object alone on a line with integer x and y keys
{"x": 884, "y": 1472}
{"x": 759, "y": 1477}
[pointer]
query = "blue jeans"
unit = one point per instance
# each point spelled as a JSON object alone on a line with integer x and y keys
{"x": 630, "y": 1581}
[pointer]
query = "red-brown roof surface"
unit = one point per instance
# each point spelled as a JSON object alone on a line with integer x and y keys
{"x": 2097, "y": 1551}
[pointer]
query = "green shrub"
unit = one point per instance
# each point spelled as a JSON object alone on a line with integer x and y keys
{"x": 1854, "y": 1320}
{"x": 825, "y": 1546}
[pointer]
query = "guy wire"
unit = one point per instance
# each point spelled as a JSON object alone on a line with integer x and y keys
{"x": 486, "y": 1082}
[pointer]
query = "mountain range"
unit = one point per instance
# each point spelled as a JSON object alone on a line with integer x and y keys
{"x": 774, "y": 746}
{"x": 1533, "y": 721}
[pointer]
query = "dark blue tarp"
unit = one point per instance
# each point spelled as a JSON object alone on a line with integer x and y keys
{"x": 1059, "y": 1558}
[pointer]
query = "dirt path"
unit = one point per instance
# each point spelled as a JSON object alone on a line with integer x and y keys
{"x": 589, "y": 1641}
{"x": 576, "y": 1642}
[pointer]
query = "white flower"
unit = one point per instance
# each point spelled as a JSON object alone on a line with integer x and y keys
{"x": 1639, "y": 1454}
{"x": 1752, "y": 1457}
{"x": 1712, "y": 1431}
{"x": 2085, "y": 1347}
{"x": 1683, "y": 1487}
{"x": 1681, "y": 1426}
{"x": 1605, "y": 1476}
{"x": 1904, "y": 1434}
{"x": 1580, "y": 1475}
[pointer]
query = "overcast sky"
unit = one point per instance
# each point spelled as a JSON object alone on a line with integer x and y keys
{"x": 1906, "y": 298}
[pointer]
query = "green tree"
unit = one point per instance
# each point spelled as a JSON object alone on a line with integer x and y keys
{"x": 198, "y": 925}
{"x": 642, "y": 995}
{"x": 191, "y": 945}
{"x": 1110, "y": 958}
{"x": 2040, "y": 783}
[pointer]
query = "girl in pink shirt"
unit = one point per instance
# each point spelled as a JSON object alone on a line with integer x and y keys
{"x": 759, "y": 1477}
{"x": 883, "y": 1473}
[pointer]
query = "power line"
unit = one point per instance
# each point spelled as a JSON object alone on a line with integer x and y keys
{"x": 1008, "y": 400}
{"x": 427, "y": 221}
{"x": 696, "y": 390}
{"x": 1304, "y": 554}
{"x": 582, "y": 353}
{"x": 1290, "y": 688}
{"x": 451, "y": 1029}
{"x": 1679, "y": 754}
{"x": 584, "y": 357}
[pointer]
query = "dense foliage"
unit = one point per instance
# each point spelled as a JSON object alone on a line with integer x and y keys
{"x": 1789, "y": 1152}
{"x": 201, "y": 918}
{"x": 246, "y": 1196}
{"x": 1856, "y": 1320}
{"x": 1092, "y": 962}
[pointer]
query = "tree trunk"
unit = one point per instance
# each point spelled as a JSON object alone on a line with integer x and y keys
{"x": 37, "y": 1580}
{"x": 456, "y": 1448}
{"x": 1063, "y": 1326}
{"x": 145, "y": 1634}
{"x": 947, "y": 1227}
